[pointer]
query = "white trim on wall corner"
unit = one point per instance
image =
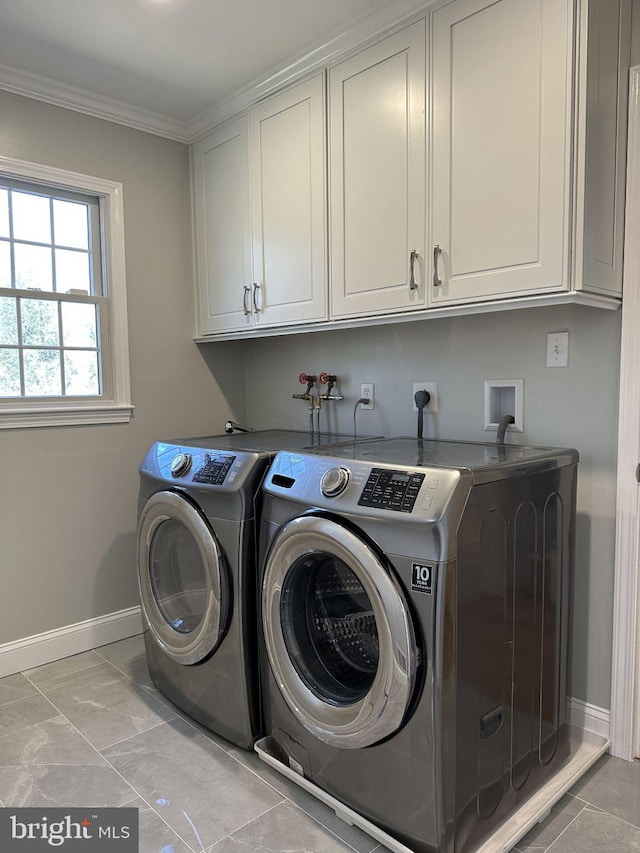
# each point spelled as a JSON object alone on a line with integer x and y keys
{"x": 70, "y": 640}
{"x": 590, "y": 717}
{"x": 625, "y": 683}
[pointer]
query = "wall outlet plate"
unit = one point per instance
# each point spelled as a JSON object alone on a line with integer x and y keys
{"x": 432, "y": 388}
{"x": 367, "y": 392}
{"x": 558, "y": 349}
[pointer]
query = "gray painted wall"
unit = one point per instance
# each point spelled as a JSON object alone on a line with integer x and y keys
{"x": 574, "y": 406}
{"x": 68, "y": 495}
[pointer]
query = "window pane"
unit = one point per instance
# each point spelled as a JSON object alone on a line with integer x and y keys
{"x": 72, "y": 271}
{"x": 81, "y": 373}
{"x": 9, "y": 373}
{"x": 78, "y": 325}
{"x": 39, "y": 322}
{"x": 8, "y": 320}
{"x": 5, "y": 264}
{"x": 31, "y": 217}
{"x": 4, "y": 213}
{"x": 70, "y": 224}
{"x": 33, "y": 266}
{"x": 42, "y": 373}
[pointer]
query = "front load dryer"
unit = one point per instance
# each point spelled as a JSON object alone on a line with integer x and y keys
{"x": 415, "y": 611}
{"x": 197, "y": 508}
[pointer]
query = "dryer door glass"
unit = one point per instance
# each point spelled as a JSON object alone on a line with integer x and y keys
{"x": 178, "y": 576}
{"x": 330, "y": 628}
{"x": 338, "y": 633}
{"x": 182, "y": 575}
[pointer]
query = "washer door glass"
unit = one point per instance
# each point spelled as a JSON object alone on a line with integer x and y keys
{"x": 338, "y": 633}
{"x": 329, "y": 628}
{"x": 182, "y": 578}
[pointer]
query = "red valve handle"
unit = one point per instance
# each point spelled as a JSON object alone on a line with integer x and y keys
{"x": 305, "y": 378}
{"x": 324, "y": 378}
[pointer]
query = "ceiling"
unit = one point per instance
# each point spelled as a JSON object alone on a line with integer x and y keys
{"x": 171, "y": 59}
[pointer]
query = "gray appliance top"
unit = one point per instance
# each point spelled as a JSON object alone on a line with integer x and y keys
{"x": 484, "y": 461}
{"x": 267, "y": 440}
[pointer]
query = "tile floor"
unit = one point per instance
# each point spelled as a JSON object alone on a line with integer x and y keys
{"x": 91, "y": 730}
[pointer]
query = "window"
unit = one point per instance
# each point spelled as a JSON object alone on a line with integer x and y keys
{"x": 63, "y": 334}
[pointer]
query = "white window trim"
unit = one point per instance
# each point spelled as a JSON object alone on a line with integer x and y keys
{"x": 118, "y": 408}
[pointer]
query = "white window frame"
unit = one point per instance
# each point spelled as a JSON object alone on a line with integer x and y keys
{"x": 117, "y": 407}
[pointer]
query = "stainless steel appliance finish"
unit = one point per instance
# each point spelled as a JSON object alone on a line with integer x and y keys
{"x": 198, "y": 504}
{"x": 415, "y": 624}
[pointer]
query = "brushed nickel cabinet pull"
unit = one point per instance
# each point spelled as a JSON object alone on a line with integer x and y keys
{"x": 413, "y": 257}
{"x": 437, "y": 251}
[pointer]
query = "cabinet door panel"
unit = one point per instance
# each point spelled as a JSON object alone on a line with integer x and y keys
{"x": 501, "y": 146}
{"x": 288, "y": 204}
{"x": 377, "y": 138}
{"x": 222, "y": 228}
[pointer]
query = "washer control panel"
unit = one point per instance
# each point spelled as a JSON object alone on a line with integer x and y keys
{"x": 393, "y": 490}
{"x": 215, "y": 469}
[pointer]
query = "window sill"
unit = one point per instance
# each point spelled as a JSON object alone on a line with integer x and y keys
{"x": 68, "y": 415}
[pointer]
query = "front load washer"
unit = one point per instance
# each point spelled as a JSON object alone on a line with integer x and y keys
{"x": 415, "y": 622}
{"x": 197, "y": 509}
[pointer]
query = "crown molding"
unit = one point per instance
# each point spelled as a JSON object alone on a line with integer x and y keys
{"x": 393, "y": 16}
{"x": 397, "y": 14}
{"x": 80, "y": 100}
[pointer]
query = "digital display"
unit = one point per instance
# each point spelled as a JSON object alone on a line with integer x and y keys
{"x": 400, "y": 478}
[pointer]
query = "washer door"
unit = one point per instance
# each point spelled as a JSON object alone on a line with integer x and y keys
{"x": 338, "y": 633}
{"x": 182, "y": 578}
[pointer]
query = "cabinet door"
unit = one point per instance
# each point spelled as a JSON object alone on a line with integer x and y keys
{"x": 223, "y": 249}
{"x": 501, "y": 148}
{"x": 288, "y": 210}
{"x": 377, "y": 176}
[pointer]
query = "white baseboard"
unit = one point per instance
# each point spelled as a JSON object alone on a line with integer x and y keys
{"x": 70, "y": 640}
{"x": 590, "y": 717}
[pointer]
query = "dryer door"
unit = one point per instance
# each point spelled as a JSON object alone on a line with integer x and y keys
{"x": 338, "y": 633}
{"x": 182, "y": 578}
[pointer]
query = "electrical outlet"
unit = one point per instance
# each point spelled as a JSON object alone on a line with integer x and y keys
{"x": 432, "y": 388}
{"x": 366, "y": 393}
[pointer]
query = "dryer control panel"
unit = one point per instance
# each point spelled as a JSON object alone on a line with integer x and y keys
{"x": 393, "y": 490}
{"x": 214, "y": 470}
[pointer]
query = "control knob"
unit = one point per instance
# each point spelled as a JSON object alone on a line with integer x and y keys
{"x": 180, "y": 464}
{"x": 334, "y": 482}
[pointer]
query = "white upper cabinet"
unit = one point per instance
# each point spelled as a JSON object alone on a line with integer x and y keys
{"x": 223, "y": 248}
{"x": 475, "y": 155}
{"x": 377, "y": 123}
{"x": 527, "y": 149}
{"x": 288, "y": 209}
{"x": 501, "y": 148}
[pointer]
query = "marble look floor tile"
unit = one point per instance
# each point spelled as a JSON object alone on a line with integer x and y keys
{"x": 597, "y": 831}
{"x": 129, "y": 657}
{"x": 53, "y": 741}
{"x": 284, "y": 829}
{"x": 546, "y": 832}
{"x": 613, "y": 785}
{"x": 64, "y": 785}
{"x": 359, "y": 840}
{"x": 155, "y": 835}
{"x": 60, "y": 668}
{"x": 105, "y": 705}
{"x": 25, "y": 712}
{"x": 14, "y": 687}
{"x": 195, "y": 786}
